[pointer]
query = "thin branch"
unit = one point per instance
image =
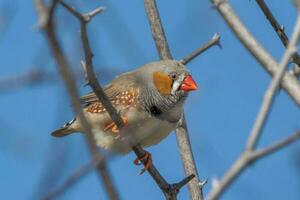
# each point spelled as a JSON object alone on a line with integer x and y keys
{"x": 66, "y": 73}
{"x": 233, "y": 172}
{"x": 73, "y": 179}
{"x": 170, "y": 190}
{"x": 243, "y": 162}
{"x": 276, "y": 146}
{"x": 249, "y": 155}
{"x": 279, "y": 29}
{"x": 38, "y": 76}
{"x": 246, "y": 159}
{"x": 195, "y": 185}
{"x": 88, "y": 65}
{"x": 42, "y": 12}
{"x": 215, "y": 40}
{"x": 157, "y": 30}
{"x": 188, "y": 161}
{"x": 30, "y": 77}
{"x": 64, "y": 69}
{"x": 289, "y": 83}
{"x": 269, "y": 95}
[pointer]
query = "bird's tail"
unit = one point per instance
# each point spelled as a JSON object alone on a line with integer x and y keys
{"x": 65, "y": 130}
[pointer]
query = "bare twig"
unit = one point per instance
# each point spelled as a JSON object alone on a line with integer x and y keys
{"x": 269, "y": 95}
{"x": 157, "y": 30}
{"x": 244, "y": 161}
{"x": 37, "y": 76}
{"x": 181, "y": 132}
{"x": 65, "y": 70}
{"x": 170, "y": 190}
{"x": 250, "y": 155}
{"x": 88, "y": 64}
{"x": 30, "y": 77}
{"x": 289, "y": 83}
{"x": 184, "y": 144}
{"x": 279, "y": 29}
{"x": 73, "y": 179}
{"x": 42, "y": 12}
{"x": 276, "y": 146}
{"x": 215, "y": 40}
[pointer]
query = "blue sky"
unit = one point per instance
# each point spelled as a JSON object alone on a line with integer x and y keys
{"x": 220, "y": 114}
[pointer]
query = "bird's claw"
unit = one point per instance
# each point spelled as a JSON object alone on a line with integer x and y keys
{"x": 146, "y": 160}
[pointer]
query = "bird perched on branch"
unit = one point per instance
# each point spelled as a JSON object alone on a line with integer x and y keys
{"x": 150, "y": 102}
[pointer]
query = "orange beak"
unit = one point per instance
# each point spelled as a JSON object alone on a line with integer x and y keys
{"x": 188, "y": 84}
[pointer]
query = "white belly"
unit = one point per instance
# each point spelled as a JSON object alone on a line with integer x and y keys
{"x": 147, "y": 133}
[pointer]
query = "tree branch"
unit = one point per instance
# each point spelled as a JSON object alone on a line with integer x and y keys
{"x": 170, "y": 190}
{"x": 195, "y": 185}
{"x": 279, "y": 29}
{"x": 289, "y": 83}
{"x": 246, "y": 159}
{"x": 157, "y": 30}
{"x": 188, "y": 161}
{"x": 269, "y": 95}
{"x": 276, "y": 146}
{"x": 88, "y": 64}
{"x": 37, "y": 76}
{"x": 47, "y": 26}
{"x": 215, "y": 40}
{"x": 73, "y": 179}
{"x": 250, "y": 155}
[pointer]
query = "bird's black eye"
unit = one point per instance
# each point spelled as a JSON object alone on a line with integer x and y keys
{"x": 173, "y": 76}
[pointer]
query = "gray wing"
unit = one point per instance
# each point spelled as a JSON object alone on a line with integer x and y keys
{"x": 118, "y": 85}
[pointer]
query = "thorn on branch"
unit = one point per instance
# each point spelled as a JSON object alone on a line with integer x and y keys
{"x": 172, "y": 190}
{"x": 85, "y": 18}
{"x": 178, "y": 186}
{"x": 217, "y": 38}
{"x": 88, "y": 16}
{"x": 202, "y": 183}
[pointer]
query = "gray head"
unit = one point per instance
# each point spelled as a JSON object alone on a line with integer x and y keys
{"x": 168, "y": 77}
{"x": 166, "y": 83}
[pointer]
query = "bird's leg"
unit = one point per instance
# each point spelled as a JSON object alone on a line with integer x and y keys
{"x": 146, "y": 160}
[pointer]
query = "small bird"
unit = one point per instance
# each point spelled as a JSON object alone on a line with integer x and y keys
{"x": 150, "y": 102}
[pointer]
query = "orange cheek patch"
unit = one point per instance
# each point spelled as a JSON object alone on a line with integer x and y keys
{"x": 162, "y": 82}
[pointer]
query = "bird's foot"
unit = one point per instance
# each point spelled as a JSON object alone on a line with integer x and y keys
{"x": 146, "y": 160}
